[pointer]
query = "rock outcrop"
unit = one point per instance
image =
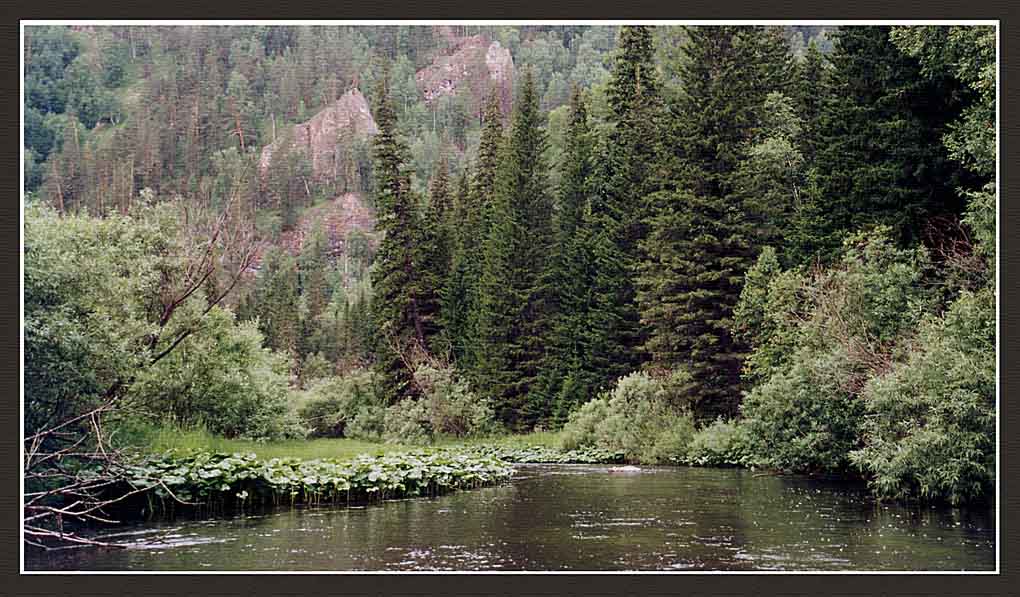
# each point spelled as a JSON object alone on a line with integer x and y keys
{"x": 318, "y": 137}
{"x": 474, "y": 63}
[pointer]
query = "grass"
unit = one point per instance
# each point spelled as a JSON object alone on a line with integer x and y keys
{"x": 195, "y": 440}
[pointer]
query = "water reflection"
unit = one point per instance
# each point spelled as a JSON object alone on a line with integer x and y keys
{"x": 576, "y": 518}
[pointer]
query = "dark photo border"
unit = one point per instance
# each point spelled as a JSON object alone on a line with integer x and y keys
{"x": 1004, "y": 583}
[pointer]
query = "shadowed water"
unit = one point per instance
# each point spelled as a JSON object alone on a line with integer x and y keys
{"x": 571, "y": 517}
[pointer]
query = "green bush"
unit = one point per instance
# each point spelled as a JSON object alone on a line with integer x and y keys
{"x": 637, "y": 418}
{"x": 368, "y": 423}
{"x": 805, "y": 419}
{"x": 447, "y": 408}
{"x": 818, "y": 338}
{"x": 222, "y": 380}
{"x": 930, "y": 428}
{"x": 723, "y": 443}
{"x": 331, "y": 404}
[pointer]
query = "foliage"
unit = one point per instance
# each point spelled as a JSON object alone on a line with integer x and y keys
{"x": 803, "y": 419}
{"x": 929, "y": 427}
{"x": 396, "y": 277}
{"x": 223, "y": 380}
{"x": 447, "y": 408}
{"x": 331, "y": 404}
{"x": 818, "y": 339}
{"x": 242, "y": 479}
{"x": 87, "y": 286}
{"x": 637, "y": 419}
{"x": 532, "y": 454}
{"x": 880, "y": 159}
{"x": 723, "y": 443}
{"x": 513, "y": 311}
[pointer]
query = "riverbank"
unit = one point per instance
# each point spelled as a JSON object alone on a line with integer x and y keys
{"x": 166, "y": 439}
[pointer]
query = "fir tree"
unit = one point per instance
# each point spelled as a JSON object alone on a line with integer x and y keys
{"x": 700, "y": 239}
{"x": 880, "y": 159}
{"x": 457, "y": 291}
{"x": 275, "y": 301}
{"x": 627, "y": 169}
{"x": 396, "y": 281}
{"x": 476, "y": 224}
{"x": 513, "y": 294}
{"x": 434, "y": 248}
{"x": 565, "y": 379}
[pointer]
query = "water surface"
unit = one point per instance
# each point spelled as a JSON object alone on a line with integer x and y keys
{"x": 573, "y": 517}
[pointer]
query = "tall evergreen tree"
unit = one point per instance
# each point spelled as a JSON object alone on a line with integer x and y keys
{"x": 435, "y": 245}
{"x": 513, "y": 294}
{"x": 457, "y": 291}
{"x": 880, "y": 159}
{"x": 808, "y": 93}
{"x": 275, "y": 301}
{"x": 628, "y": 167}
{"x": 700, "y": 233}
{"x": 396, "y": 280}
{"x": 476, "y": 224}
{"x": 566, "y": 379}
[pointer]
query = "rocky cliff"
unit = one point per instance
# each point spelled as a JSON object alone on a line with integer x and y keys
{"x": 318, "y": 137}
{"x": 473, "y": 63}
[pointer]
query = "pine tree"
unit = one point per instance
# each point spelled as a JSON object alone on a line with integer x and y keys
{"x": 565, "y": 379}
{"x": 880, "y": 159}
{"x": 627, "y": 169}
{"x": 434, "y": 247}
{"x": 513, "y": 294}
{"x": 275, "y": 301}
{"x": 456, "y": 292}
{"x": 314, "y": 266}
{"x": 808, "y": 94}
{"x": 476, "y": 226}
{"x": 395, "y": 279}
{"x": 701, "y": 234}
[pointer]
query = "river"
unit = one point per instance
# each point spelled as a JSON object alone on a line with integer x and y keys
{"x": 573, "y": 517}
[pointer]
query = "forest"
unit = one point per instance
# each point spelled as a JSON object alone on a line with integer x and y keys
{"x": 725, "y": 246}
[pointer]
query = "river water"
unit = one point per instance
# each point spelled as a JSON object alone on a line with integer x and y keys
{"x": 574, "y": 517}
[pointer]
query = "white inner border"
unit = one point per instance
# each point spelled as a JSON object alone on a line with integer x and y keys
{"x": 109, "y": 22}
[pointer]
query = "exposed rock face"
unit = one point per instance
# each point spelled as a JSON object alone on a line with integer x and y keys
{"x": 318, "y": 137}
{"x": 339, "y": 217}
{"x": 473, "y": 63}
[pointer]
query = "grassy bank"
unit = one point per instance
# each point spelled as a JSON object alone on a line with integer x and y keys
{"x": 198, "y": 440}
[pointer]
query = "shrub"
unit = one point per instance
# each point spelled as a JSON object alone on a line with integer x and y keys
{"x": 804, "y": 419}
{"x": 637, "y": 418}
{"x": 316, "y": 366}
{"x": 367, "y": 424}
{"x": 223, "y": 380}
{"x": 723, "y": 443}
{"x": 930, "y": 428}
{"x": 447, "y": 407}
{"x": 817, "y": 341}
{"x": 330, "y": 404}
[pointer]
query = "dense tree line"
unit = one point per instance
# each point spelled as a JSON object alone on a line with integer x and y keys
{"x": 726, "y": 244}
{"x": 726, "y": 235}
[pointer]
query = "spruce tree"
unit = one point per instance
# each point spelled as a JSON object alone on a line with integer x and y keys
{"x": 396, "y": 280}
{"x": 701, "y": 234}
{"x": 627, "y": 169}
{"x": 880, "y": 159}
{"x": 476, "y": 224}
{"x": 455, "y": 309}
{"x": 808, "y": 93}
{"x": 435, "y": 244}
{"x": 513, "y": 294}
{"x": 565, "y": 378}
{"x": 275, "y": 301}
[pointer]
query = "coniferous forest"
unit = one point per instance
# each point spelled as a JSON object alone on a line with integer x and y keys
{"x": 724, "y": 246}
